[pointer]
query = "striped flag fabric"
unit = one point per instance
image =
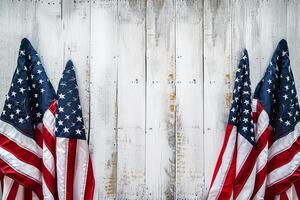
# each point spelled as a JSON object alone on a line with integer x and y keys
{"x": 231, "y": 178}
{"x": 75, "y": 178}
{"x": 278, "y": 161}
{"x": 22, "y": 145}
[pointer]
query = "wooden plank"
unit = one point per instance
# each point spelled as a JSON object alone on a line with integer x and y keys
{"x": 131, "y": 100}
{"x": 14, "y": 17}
{"x": 76, "y": 16}
{"x": 217, "y": 88}
{"x": 293, "y": 36}
{"x": 21, "y": 19}
{"x": 273, "y": 28}
{"x": 160, "y": 98}
{"x": 48, "y": 38}
{"x": 246, "y": 34}
{"x": 189, "y": 100}
{"x": 104, "y": 110}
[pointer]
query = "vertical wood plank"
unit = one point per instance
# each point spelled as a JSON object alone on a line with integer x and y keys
{"x": 76, "y": 35}
{"x": 160, "y": 98}
{"x": 104, "y": 110}
{"x": 48, "y": 37}
{"x": 13, "y": 27}
{"x": 293, "y": 38}
{"x": 189, "y": 100}
{"x": 29, "y": 19}
{"x": 217, "y": 68}
{"x": 246, "y": 34}
{"x": 273, "y": 27}
{"x": 131, "y": 100}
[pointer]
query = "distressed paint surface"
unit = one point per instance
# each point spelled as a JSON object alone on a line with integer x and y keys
{"x": 160, "y": 100}
{"x": 155, "y": 79}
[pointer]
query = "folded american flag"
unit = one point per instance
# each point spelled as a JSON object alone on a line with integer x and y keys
{"x": 75, "y": 178}
{"x": 278, "y": 161}
{"x": 231, "y": 178}
{"x": 21, "y": 129}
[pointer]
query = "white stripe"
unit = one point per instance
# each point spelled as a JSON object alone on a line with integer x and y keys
{"x": 244, "y": 149}
{"x": 34, "y": 196}
{"x": 262, "y": 123}
{"x": 20, "y": 139}
{"x": 48, "y": 157}
{"x": 48, "y": 160}
{"x": 261, "y": 192}
{"x": 284, "y": 171}
{"x": 291, "y": 193}
{"x": 20, "y": 193}
{"x": 81, "y": 169}
{"x": 23, "y": 168}
{"x": 49, "y": 122}
{"x": 254, "y": 105}
{"x": 7, "y": 184}
{"x": 285, "y": 142}
{"x": 262, "y": 159}
{"x": 61, "y": 166}
{"x": 247, "y": 190}
{"x": 226, "y": 161}
{"x": 47, "y": 194}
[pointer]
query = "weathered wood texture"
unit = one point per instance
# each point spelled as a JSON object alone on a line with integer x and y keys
{"x": 155, "y": 79}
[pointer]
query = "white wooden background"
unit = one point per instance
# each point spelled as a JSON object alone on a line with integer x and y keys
{"x": 155, "y": 78}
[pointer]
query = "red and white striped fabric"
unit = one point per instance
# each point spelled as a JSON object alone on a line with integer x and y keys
{"x": 13, "y": 190}
{"x": 75, "y": 178}
{"x": 234, "y": 174}
{"x": 279, "y": 151}
{"x": 49, "y": 155}
{"x": 74, "y": 170}
{"x": 21, "y": 129}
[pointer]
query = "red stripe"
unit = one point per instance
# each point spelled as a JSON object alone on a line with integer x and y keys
{"x": 90, "y": 183}
{"x": 50, "y": 181}
{"x": 20, "y": 178}
{"x": 52, "y": 107}
{"x": 284, "y": 196}
{"x": 27, "y": 194}
{"x": 256, "y": 114}
{"x": 219, "y": 161}
{"x": 249, "y": 163}
{"x": 38, "y": 137}
{"x": 283, "y": 185}
{"x": 261, "y": 175}
{"x": 19, "y": 152}
{"x": 284, "y": 157}
{"x": 227, "y": 188}
{"x": 13, "y": 191}
{"x": 297, "y": 188}
{"x": 259, "y": 180}
{"x": 2, "y": 181}
{"x": 49, "y": 141}
{"x": 280, "y": 160}
{"x": 72, "y": 144}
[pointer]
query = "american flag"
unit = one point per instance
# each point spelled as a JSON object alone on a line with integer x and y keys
{"x": 231, "y": 177}
{"x": 21, "y": 129}
{"x": 75, "y": 178}
{"x": 278, "y": 162}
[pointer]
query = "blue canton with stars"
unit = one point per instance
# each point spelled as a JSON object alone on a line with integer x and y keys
{"x": 241, "y": 110}
{"x": 30, "y": 93}
{"x": 277, "y": 93}
{"x": 69, "y": 120}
